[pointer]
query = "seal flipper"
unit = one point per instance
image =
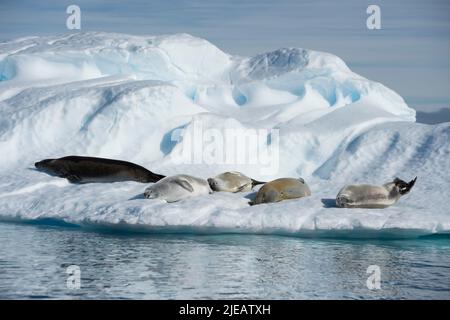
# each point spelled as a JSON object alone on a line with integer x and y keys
{"x": 242, "y": 188}
{"x": 185, "y": 184}
{"x": 73, "y": 178}
{"x": 69, "y": 176}
{"x": 410, "y": 185}
{"x": 256, "y": 182}
{"x": 404, "y": 187}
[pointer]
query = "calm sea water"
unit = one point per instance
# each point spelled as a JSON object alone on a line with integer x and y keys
{"x": 34, "y": 261}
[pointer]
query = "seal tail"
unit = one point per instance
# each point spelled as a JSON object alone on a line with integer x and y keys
{"x": 256, "y": 182}
{"x": 154, "y": 177}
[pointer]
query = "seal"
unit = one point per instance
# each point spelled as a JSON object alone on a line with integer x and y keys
{"x": 232, "y": 181}
{"x": 282, "y": 189}
{"x": 371, "y": 196}
{"x": 178, "y": 187}
{"x": 79, "y": 169}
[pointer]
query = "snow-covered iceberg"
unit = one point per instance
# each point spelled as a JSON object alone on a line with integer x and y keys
{"x": 125, "y": 97}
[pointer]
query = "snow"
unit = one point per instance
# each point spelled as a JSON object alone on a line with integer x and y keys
{"x": 126, "y": 97}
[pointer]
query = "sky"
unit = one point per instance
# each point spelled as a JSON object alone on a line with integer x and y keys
{"x": 410, "y": 53}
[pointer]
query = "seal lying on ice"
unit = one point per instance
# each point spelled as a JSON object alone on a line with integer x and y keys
{"x": 232, "y": 181}
{"x": 282, "y": 189}
{"x": 178, "y": 187}
{"x": 79, "y": 169}
{"x": 370, "y": 196}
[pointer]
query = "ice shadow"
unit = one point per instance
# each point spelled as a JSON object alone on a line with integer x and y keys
{"x": 251, "y": 196}
{"x": 49, "y": 172}
{"x": 170, "y": 139}
{"x": 329, "y": 203}
{"x": 137, "y": 197}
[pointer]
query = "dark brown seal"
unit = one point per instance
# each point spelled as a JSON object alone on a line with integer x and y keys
{"x": 79, "y": 169}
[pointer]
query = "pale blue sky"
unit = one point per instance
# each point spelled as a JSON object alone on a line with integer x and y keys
{"x": 410, "y": 54}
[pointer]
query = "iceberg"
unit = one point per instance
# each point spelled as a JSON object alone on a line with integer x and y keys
{"x": 126, "y": 97}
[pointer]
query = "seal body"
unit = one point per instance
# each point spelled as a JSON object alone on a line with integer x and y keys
{"x": 282, "y": 189}
{"x": 79, "y": 169}
{"x": 372, "y": 196}
{"x": 178, "y": 187}
{"x": 232, "y": 181}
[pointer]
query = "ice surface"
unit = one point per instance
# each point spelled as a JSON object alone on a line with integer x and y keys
{"x": 122, "y": 96}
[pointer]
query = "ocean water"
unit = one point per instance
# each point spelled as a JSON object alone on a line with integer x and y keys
{"x": 34, "y": 260}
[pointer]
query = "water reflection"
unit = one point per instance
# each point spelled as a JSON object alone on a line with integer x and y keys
{"x": 33, "y": 260}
